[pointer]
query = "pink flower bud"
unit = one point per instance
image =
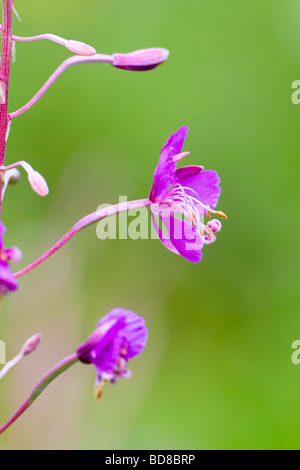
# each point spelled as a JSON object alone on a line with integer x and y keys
{"x": 80, "y": 48}
{"x": 38, "y": 183}
{"x": 31, "y": 344}
{"x": 143, "y": 59}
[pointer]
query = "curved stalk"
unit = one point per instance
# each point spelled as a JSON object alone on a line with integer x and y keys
{"x": 98, "y": 58}
{"x": 41, "y": 385}
{"x": 82, "y": 223}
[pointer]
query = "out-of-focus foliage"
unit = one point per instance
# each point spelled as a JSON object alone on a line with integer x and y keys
{"x": 217, "y": 371}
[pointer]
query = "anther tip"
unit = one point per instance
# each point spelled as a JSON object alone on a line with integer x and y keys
{"x": 98, "y": 392}
{"x": 221, "y": 214}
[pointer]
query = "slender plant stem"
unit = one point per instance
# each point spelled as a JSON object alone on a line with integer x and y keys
{"x": 10, "y": 364}
{"x": 6, "y": 51}
{"x": 96, "y": 58}
{"x": 43, "y": 383}
{"x": 82, "y": 223}
{"x": 49, "y": 37}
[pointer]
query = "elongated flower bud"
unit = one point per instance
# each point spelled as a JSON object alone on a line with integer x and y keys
{"x": 143, "y": 59}
{"x": 31, "y": 344}
{"x": 36, "y": 180}
{"x": 80, "y": 48}
{"x": 38, "y": 183}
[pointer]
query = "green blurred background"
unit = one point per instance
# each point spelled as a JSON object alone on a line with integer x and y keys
{"x": 217, "y": 371}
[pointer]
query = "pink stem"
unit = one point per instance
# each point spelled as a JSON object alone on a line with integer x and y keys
{"x": 82, "y": 223}
{"x": 77, "y": 47}
{"x": 96, "y": 58}
{"x": 6, "y": 51}
{"x": 43, "y": 383}
{"x": 50, "y": 37}
{"x": 21, "y": 163}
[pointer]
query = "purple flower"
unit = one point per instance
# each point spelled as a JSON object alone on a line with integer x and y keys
{"x": 120, "y": 336}
{"x": 191, "y": 192}
{"x": 7, "y": 280}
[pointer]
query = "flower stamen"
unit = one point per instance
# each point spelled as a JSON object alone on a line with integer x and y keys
{"x": 210, "y": 232}
{"x": 221, "y": 214}
{"x": 191, "y": 217}
{"x": 98, "y": 391}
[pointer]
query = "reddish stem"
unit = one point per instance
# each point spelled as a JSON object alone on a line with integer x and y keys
{"x": 43, "y": 383}
{"x": 6, "y": 51}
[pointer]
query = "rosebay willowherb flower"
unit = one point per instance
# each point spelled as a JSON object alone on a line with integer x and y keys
{"x": 190, "y": 191}
{"x": 120, "y": 336}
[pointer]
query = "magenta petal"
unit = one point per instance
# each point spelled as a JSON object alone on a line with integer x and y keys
{"x": 183, "y": 240}
{"x": 101, "y": 340}
{"x": 165, "y": 241}
{"x": 175, "y": 143}
{"x": 186, "y": 240}
{"x": 204, "y": 183}
{"x": 136, "y": 335}
{"x": 7, "y": 279}
{"x": 165, "y": 170}
{"x": 188, "y": 173}
{"x": 133, "y": 331}
{"x": 107, "y": 357}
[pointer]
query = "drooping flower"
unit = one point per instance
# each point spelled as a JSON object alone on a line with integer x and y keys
{"x": 7, "y": 281}
{"x": 120, "y": 336}
{"x": 191, "y": 192}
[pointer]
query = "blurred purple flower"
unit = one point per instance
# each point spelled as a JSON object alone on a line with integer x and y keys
{"x": 120, "y": 336}
{"x": 7, "y": 281}
{"x": 190, "y": 191}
